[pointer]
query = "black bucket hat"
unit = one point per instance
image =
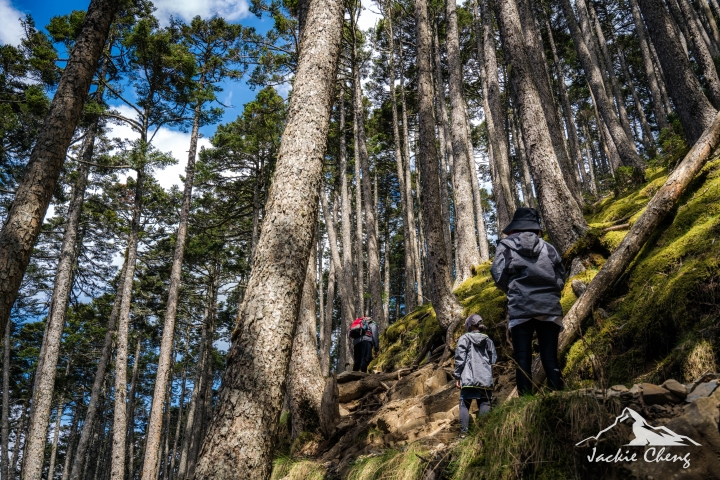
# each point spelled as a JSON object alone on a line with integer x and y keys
{"x": 524, "y": 219}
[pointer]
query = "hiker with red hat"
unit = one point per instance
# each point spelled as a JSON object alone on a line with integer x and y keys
{"x": 364, "y": 334}
{"x": 530, "y": 271}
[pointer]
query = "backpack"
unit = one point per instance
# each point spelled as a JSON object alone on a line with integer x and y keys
{"x": 359, "y": 328}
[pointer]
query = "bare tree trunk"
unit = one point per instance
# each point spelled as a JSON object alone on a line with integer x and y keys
{"x": 166, "y": 424}
{"x": 319, "y": 285}
{"x": 21, "y": 430}
{"x": 529, "y": 199}
{"x": 561, "y": 214}
{"x": 24, "y": 219}
{"x": 660, "y": 205}
{"x": 443, "y": 141}
{"x": 502, "y": 185}
{"x": 467, "y": 251}
{"x": 573, "y": 142}
{"x": 625, "y": 146}
{"x": 56, "y": 437}
{"x": 711, "y": 23}
{"x": 373, "y": 257}
{"x": 305, "y": 382}
{"x": 241, "y": 439}
{"x": 150, "y": 463}
{"x": 47, "y": 362}
{"x": 702, "y": 55}
{"x": 71, "y": 442}
{"x": 408, "y": 191}
{"x": 359, "y": 251}
{"x": 131, "y": 412}
{"x": 446, "y": 306}
{"x": 86, "y": 433}
{"x": 326, "y": 345}
{"x": 5, "y": 439}
{"x": 405, "y": 201}
{"x": 347, "y": 288}
{"x": 117, "y": 471}
{"x": 591, "y": 168}
{"x": 482, "y": 240}
{"x": 693, "y": 108}
{"x": 181, "y": 404}
{"x": 535, "y": 51}
{"x": 386, "y": 269}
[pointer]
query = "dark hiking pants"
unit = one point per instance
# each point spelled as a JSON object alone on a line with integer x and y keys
{"x": 467, "y": 395}
{"x": 547, "y": 334}
{"x": 362, "y": 355}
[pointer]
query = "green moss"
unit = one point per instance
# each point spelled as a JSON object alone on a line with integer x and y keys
{"x": 402, "y": 340}
{"x": 568, "y": 297}
{"x": 291, "y": 469}
{"x": 391, "y": 464}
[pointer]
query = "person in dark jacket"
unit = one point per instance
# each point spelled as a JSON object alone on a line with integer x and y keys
{"x": 363, "y": 347}
{"x": 530, "y": 271}
{"x": 474, "y": 357}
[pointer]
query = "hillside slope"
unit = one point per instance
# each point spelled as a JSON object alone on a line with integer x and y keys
{"x": 658, "y": 322}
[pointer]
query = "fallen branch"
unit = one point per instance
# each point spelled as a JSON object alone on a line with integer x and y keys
{"x": 657, "y": 209}
{"x": 622, "y": 226}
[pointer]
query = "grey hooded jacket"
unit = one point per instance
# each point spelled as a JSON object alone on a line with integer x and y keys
{"x": 474, "y": 356}
{"x": 530, "y": 271}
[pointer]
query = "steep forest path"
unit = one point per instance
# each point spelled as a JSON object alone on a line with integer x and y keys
{"x": 658, "y": 322}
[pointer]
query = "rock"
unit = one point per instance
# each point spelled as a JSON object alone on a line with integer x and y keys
{"x": 635, "y": 389}
{"x": 436, "y": 382}
{"x": 578, "y": 287}
{"x": 652, "y": 394}
{"x": 676, "y": 388}
{"x": 619, "y": 388}
{"x": 576, "y": 267}
{"x": 412, "y": 385}
{"x": 703, "y": 390}
{"x": 353, "y": 390}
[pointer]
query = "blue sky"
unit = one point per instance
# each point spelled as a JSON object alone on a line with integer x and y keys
{"x": 235, "y": 94}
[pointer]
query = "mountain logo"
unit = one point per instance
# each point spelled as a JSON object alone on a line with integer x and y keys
{"x": 645, "y": 434}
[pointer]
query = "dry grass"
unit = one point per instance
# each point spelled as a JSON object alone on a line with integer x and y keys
{"x": 700, "y": 360}
{"x": 390, "y": 465}
{"x": 285, "y": 468}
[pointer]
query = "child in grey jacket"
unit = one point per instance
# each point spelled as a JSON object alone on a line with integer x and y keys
{"x": 474, "y": 357}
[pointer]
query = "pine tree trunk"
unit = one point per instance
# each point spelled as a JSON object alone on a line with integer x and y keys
{"x": 650, "y": 73}
{"x": 326, "y": 345}
{"x": 131, "y": 412}
{"x": 5, "y": 438}
{"x": 625, "y": 146}
{"x": 347, "y": 287}
{"x": 657, "y": 209}
{"x": 56, "y": 437}
{"x": 373, "y": 257}
{"x": 305, "y": 383}
{"x": 446, "y": 306}
{"x": 443, "y": 141}
{"x": 483, "y": 247}
{"x": 408, "y": 192}
{"x": 47, "y": 363}
{"x": 529, "y": 199}
{"x": 241, "y": 439}
{"x": 386, "y": 269}
{"x": 150, "y": 464}
{"x": 467, "y": 251}
{"x": 591, "y": 170}
{"x": 561, "y": 214}
{"x": 587, "y": 16}
{"x": 178, "y": 422}
{"x": 20, "y": 431}
{"x": 24, "y": 219}
{"x": 71, "y": 442}
{"x": 502, "y": 184}
{"x": 693, "y": 108}
{"x": 710, "y": 22}
{"x": 535, "y": 51}
{"x": 117, "y": 471}
{"x": 702, "y": 54}
{"x": 567, "y": 111}
{"x": 359, "y": 251}
{"x": 93, "y": 404}
{"x": 405, "y": 201}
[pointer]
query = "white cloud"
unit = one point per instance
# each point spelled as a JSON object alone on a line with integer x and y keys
{"x": 369, "y": 16}
{"x": 187, "y": 9}
{"x": 11, "y": 32}
{"x": 170, "y": 141}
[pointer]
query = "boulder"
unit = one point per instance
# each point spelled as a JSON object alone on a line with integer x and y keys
{"x": 578, "y": 287}
{"x": 676, "y": 388}
{"x": 412, "y": 385}
{"x": 653, "y": 394}
{"x": 702, "y": 390}
{"x": 436, "y": 382}
{"x": 576, "y": 267}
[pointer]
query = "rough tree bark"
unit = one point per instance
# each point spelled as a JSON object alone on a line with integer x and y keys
{"x": 24, "y": 219}
{"x": 154, "y": 428}
{"x": 446, "y": 306}
{"x": 240, "y": 441}
{"x": 71, "y": 442}
{"x": 359, "y": 250}
{"x": 305, "y": 382}
{"x": 4, "y": 446}
{"x": 502, "y": 185}
{"x": 536, "y": 55}
{"x": 371, "y": 237}
{"x": 693, "y": 108}
{"x": 406, "y": 205}
{"x": 529, "y": 199}
{"x": 93, "y": 404}
{"x": 650, "y": 73}
{"x": 47, "y": 364}
{"x": 56, "y": 437}
{"x": 657, "y": 209}
{"x": 131, "y": 410}
{"x": 117, "y": 471}
{"x": 626, "y": 148}
{"x": 326, "y": 343}
{"x": 467, "y": 246}
{"x": 562, "y": 216}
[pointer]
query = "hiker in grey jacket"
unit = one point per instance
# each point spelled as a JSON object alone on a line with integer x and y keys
{"x": 363, "y": 346}
{"x": 474, "y": 357}
{"x": 530, "y": 271}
